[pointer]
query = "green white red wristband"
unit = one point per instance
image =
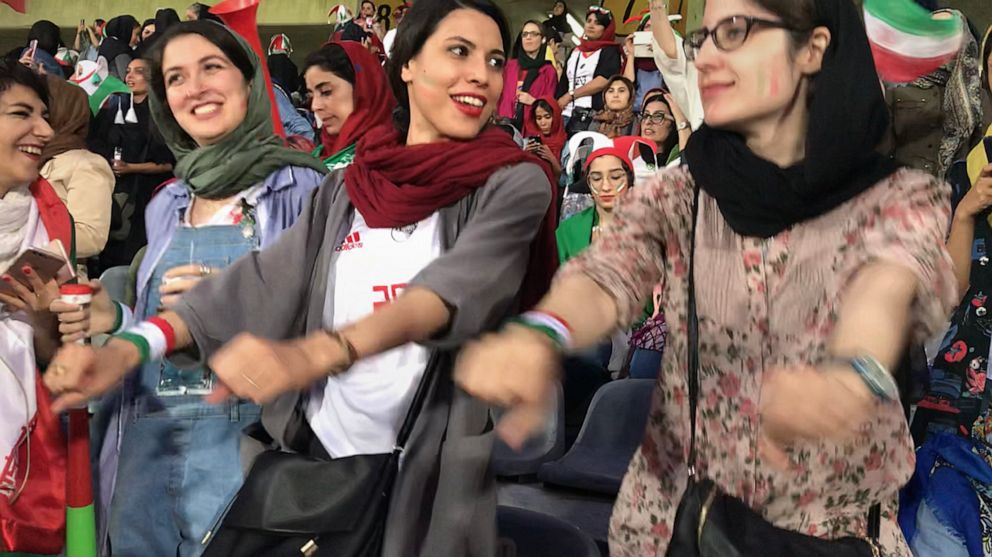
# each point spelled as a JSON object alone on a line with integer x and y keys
{"x": 154, "y": 338}
{"x": 548, "y": 324}
{"x": 123, "y": 319}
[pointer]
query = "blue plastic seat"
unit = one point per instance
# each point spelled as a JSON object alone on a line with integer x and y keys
{"x": 534, "y": 534}
{"x": 547, "y": 445}
{"x": 612, "y": 431}
{"x": 114, "y": 281}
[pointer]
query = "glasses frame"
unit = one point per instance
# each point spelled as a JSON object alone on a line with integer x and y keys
{"x": 647, "y": 117}
{"x": 617, "y": 188}
{"x": 694, "y": 40}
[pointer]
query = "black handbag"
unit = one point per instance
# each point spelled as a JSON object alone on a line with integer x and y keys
{"x": 294, "y": 504}
{"x": 580, "y": 121}
{"x": 711, "y": 523}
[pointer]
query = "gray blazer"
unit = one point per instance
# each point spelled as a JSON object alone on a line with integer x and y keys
{"x": 444, "y": 500}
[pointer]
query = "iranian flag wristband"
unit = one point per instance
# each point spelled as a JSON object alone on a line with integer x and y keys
{"x": 123, "y": 319}
{"x": 550, "y": 325}
{"x": 154, "y": 338}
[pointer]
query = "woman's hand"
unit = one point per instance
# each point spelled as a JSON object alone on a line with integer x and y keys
{"x": 525, "y": 98}
{"x": 659, "y": 10}
{"x": 78, "y": 322}
{"x": 676, "y": 109}
{"x": 257, "y": 369}
{"x": 628, "y": 46}
{"x": 34, "y": 298}
{"x": 541, "y": 150}
{"x": 79, "y": 372}
{"x": 514, "y": 368}
{"x": 978, "y": 198}
{"x": 806, "y": 404}
{"x": 565, "y": 100}
{"x": 121, "y": 167}
{"x": 179, "y": 280}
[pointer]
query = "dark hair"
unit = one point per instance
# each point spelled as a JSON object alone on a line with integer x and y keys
{"x": 363, "y": 2}
{"x": 518, "y": 45}
{"x": 218, "y": 35}
{"x": 203, "y": 12}
{"x": 796, "y": 14}
{"x": 99, "y": 21}
{"x": 625, "y": 81}
{"x": 986, "y": 52}
{"x": 48, "y": 35}
{"x": 331, "y": 58}
{"x": 146, "y": 23}
{"x": 543, "y": 105}
{"x": 673, "y": 135}
{"x": 13, "y": 73}
{"x": 602, "y": 18}
{"x": 417, "y": 26}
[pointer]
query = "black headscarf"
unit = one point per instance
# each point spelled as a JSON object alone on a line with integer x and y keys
{"x": 164, "y": 18}
{"x": 117, "y": 37}
{"x": 48, "y": 35}
{"x": 847, "y": 120}
{"x": 559, "y": 22}
{"x": 284, "y": 73}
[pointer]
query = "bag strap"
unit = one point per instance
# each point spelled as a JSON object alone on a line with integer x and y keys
{"x": 693, "y": 343}
{"x": 874, "y": 513}
{"x": 417, "y": 404}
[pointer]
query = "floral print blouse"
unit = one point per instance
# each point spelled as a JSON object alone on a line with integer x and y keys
{"x": 764, "y": 303}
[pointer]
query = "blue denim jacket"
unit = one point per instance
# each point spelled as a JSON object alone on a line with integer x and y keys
{"x": 285, "y": 193}
{"x": 293, "y": 123}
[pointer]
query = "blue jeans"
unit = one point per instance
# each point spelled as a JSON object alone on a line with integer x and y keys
{"x": 178, "y": 469}
{"x": 179, "y": 463}
{"x": 933, "y": 538}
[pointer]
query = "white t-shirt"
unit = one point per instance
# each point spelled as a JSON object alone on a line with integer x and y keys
{"x": 228, "y": 215}
{"x": 361, "y": 410}
{"x": 579, "y": 71}
{"x": 388, "y": 40}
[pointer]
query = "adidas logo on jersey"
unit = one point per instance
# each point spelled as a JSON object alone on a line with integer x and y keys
{"x": 353, "y": 241}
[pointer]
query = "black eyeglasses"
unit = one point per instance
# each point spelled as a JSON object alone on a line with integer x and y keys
{"x": 657, "y": 117}
{"x": 729, "y": 34}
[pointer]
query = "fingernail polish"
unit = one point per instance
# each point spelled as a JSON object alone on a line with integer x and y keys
{"x": 26, "y": 270}
{"x": 7, "y": 278}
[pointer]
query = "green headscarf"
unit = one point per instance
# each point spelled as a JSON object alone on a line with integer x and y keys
{"x": 243, "y": 158}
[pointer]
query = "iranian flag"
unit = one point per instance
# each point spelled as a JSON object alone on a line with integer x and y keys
{"x": 17, "y": 5}
{"x": 94, "y": 78}
{"x": 907, "y": 41}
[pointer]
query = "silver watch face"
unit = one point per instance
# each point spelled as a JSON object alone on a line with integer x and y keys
{"x": 877, "y": 376}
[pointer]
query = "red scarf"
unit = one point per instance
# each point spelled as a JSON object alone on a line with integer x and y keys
{"x": 372, "y": 99}
{"x": 557, "y": 138}
{"x": 609, "y": 38}
{"x": 394, "y": 185}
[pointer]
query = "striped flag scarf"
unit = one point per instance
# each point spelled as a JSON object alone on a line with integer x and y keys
{"x": 907, "y": 41}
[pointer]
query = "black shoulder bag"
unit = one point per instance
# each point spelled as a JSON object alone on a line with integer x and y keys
{"x": 711, "y": 523}
{"x": 294, "y": 504}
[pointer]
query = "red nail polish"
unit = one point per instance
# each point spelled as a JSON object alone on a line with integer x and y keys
{"x": 7, "y": 278}
{"x": 26, "y": 270}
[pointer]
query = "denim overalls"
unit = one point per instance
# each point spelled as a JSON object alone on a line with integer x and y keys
{"x": 179, "y": 461}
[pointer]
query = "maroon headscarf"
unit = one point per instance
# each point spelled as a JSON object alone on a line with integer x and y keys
{"x": 557, "y": 138}
{"x": 609, "y": 38}
{"x": 395, "y": 185}
{"x": 373, "y": 100}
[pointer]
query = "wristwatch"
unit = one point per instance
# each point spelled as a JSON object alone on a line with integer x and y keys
{"x": 682, "y": 125}
{"x": 876, "y": 376}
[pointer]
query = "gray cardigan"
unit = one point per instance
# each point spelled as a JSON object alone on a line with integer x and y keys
{"x": 444, "y": 500}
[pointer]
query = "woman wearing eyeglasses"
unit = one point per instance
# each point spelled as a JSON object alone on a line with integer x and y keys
{"x": 528, "y": 76}
{"x": 815, "y": 260}
{"x": 609, "y": 174}
{"x": 663, "y": 122}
